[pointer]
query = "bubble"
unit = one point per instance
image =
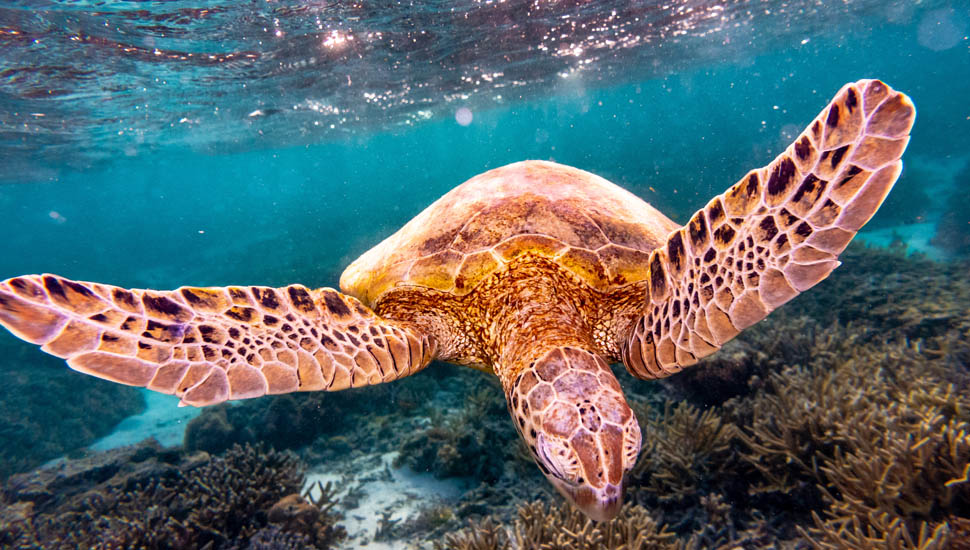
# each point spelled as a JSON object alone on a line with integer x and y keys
{"x": 940, "y": 29}
{"x": 788, "y": 133}
{"x": 463, "y": 116}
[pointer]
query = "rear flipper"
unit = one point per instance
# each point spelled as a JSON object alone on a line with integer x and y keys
{"x": 207, "y": 345}
{"x": 774, "y": 234}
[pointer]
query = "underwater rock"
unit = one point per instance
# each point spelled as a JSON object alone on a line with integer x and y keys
{"x": 66, "y": 482}
{"x": 147, "y": 497}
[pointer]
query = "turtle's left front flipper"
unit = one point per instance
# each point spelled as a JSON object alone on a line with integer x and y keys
{"x": 207, "y": 345}
{"x": 774, "y": 234}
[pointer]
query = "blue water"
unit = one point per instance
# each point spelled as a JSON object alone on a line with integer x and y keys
{"x": 147, "y": 168}
{"x": 274, "y": 215}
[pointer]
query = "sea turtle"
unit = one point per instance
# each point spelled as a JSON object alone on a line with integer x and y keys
{"x": 539, "y": 273}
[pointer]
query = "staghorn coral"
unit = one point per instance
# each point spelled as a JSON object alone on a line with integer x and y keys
{"x": 902, "y": 479}
{"x": 547, "y": 527}
{"x": 156, "y": 499}
{"x": 879, "y": 532}
{"x": 688, "y": 464}
{"x": 683, "y": 449}
{"x": 871, "y": 436}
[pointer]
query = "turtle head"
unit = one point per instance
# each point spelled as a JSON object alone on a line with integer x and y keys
{"x": 569, "y": 409}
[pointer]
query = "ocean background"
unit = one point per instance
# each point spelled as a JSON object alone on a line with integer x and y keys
{"x": 135, "y": 168}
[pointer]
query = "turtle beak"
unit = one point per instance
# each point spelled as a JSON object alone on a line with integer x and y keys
{"x": 600, "y": 504}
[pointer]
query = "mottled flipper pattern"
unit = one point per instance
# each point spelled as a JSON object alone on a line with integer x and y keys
{"x": 207, "y": 345}
{"x": 774, "y": 234}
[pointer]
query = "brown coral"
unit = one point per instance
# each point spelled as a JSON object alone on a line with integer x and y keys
{"x": 156, "y": 499}
{"x": 550, "y": 527}
{"x": 475, "y": 441}
{"x": 880, "y": 434}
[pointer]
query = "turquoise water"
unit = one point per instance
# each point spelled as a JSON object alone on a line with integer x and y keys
{"x": 260, "y": 195}
{"x": 277, "y": 215}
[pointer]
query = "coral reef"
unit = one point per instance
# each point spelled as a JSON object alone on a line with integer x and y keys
{"x": 885, "y": 440}
{"x": 147, "y": 497}
{"x": 841, "y": 423}
{"x": 475, "y": 441}
{"x": 562, "y": 527}
{"x": 871, "y": 437}
{"x": 47, "y": 410}
{"x": 845, "y": 424}
{"x": 294, "y": 421}
{"x": 688, "y": 456}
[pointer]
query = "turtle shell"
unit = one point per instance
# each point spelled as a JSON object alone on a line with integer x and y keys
{"x": 587, "y": 225}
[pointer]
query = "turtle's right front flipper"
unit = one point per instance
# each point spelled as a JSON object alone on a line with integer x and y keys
{"x": 207, "y": 345}
{"x": 774, "y": 234}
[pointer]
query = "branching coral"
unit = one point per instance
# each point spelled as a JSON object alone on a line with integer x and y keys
{"x": 875, "y": 434}
{"x": 877, "y": 532}
{"x": 547, "y": 527}
{"x": 688, "y": 463}
{"x": 683, "y": 449}
{"x": 901, "y": 480}
{"x": 172, "y": 502}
